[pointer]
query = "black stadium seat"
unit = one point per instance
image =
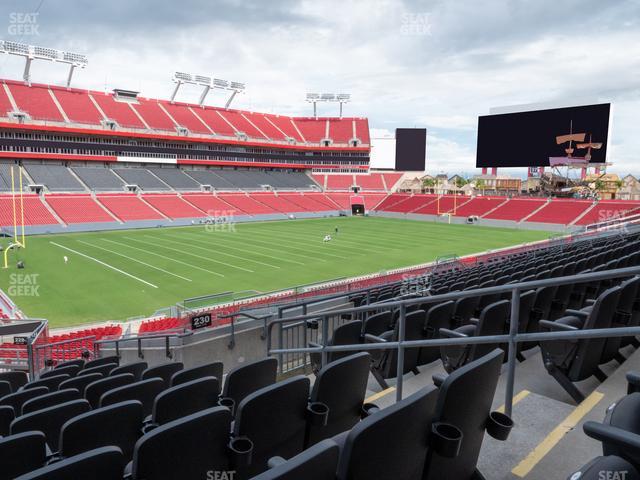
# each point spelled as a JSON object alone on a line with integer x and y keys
{"x": 273, "y": 421}
{"x": 114, "y": 359}
{"x": 52, "y": 383}
{"x": 163, "y": 371}
{"x": 50, "y": 420}
{"x": 145, "y": 391}
{"x": 437, "y": 317}
{"x": 185, "y": 399}
{"x": 390, "y": 444}
{"x": 5, "y": 388}
{"x": 16, "y": 400}
{"x": 104, "y": 369}
{"x": 349, "y": 333}
{"x": 16, "y": 378}
{"x": 135, "y": 369}
{"x": 104, "y": 463}
{"x": 119, "y": 424}
{"x": 78, "y": 362}
{"x": 50, "y": 399}
{"x": 22, "y": 453}
{"x": 80, "y": 382}
{"x": 340, "y": 388}
{"x": 96, "y": 389}
{"x": 316, "y": 463}
{"x": 6, "y": 417}
{"x": 71, "y": 370}
{"x": 246, "y": 379}
{"x": 208, "y": 370}
{"x": 186, "y": 448}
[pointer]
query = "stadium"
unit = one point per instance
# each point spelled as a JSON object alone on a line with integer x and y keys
{"x": 220, "y": 282}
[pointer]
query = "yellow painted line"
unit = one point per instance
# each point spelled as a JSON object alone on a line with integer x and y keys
{"x": 379, "y": 395}
{"x": 516, "y": 398}
{"x": 544, "y": 447}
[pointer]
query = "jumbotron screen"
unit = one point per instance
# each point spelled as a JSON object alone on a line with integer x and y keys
{"x": 541, "y": 138}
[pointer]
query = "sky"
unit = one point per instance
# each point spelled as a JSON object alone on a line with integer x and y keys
{"x": 437, "y": 64}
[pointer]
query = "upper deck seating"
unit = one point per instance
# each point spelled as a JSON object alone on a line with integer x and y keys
{"x": 78, "y": 106}
{"x": 56, "y": 178}
{"x": 372, "y": 181}
{"x": 340, "y": 181}
{"x": 313, "y": 129}
{"x": 154, "y": 115}
{"x": 185, "y": 117}
{"x": 35, "y": 100}
{"x": 118, "y": 111}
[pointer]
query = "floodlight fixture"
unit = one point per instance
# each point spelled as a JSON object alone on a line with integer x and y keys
{"x": 208, "y": 83}
{"x": 34, "y": 52}
{"x": 340, "y": 98}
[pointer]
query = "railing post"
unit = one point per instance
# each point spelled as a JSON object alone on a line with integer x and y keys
{"x": 400, "y": 361}
{"x": 511, "y": 361}
{"x": 325, "y": 339}
{"x": 280, "y": 355}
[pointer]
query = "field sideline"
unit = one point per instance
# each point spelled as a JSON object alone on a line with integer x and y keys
{"x": 119, "y": 274}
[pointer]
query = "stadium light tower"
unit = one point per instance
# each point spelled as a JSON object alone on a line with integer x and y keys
{"x": 340, "y": 98}
{"x": 208, "y": 83}
{"x": 33, "y": 52}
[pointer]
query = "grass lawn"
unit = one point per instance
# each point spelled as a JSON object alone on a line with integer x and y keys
{"x": 119, "y": 274}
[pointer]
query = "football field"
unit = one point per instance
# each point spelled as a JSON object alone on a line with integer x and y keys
{"x": 115, "y": 275}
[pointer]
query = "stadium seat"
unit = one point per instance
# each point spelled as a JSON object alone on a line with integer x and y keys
{"x": 104, "y": 463}
{"x": 438, "y": 316}
{"x": 5, "y": 388}
{"x": 464, "y": 401}
{"x": 384, "y": 366}
{"x": 52, "y": 383}
{"x": 102, "y": 361}
{"x": 104, "y": 370}
{"x": 207, "y": 370}
{"x": 572, "y": 361}
{"x": 378, "y": 323}
{"x": 185, "y": 448}
{"x": 163, "y": 371}
{"x": 50, "y": 420}
{"x": 94, "y": 391}
{"x": 135, "y": 368}
{"x": 119, "y": 425}
{"x": 246, "y": 379}
{"x": 80, "y": 382}
{"x": 492, "y": 321}
{"x": 22, "y": 453}
{"x": 464, "y": 309}
{"x": 392, "y": 443}
{"x": 17, "y": 399}
{"x": 270, "y": 422}
{"x": 145, "y": 391}
{"x": 348, "y": 333}
{"x": 78, "y": 362}
{"x": 318, "y": 462}
{"x": 6, "y": 417}
{"x": 185, "y": 399}
{"x": 71, "y": 370}
{"x": 16, "y": 378}
{"x": 50, "y": 399}
{"x": 339, "y": 390}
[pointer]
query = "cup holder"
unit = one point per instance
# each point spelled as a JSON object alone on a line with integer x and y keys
{"x": 313, "y": 324}
{"x": 499, "y": 425}
{"x": 229, "y": 403}
{"x": 318, "y": 414}
{"x": 446, "y": 439}
{"x": 368, "y": 409}
{"x": 241, "y": 451}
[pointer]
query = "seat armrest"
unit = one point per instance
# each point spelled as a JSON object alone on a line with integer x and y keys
{"x": 606, "y": 433}
{"x": 374, "y": 339}
{"x": 577, "y": 313}
{"x": 445, "y": 332}
{"x": 590, "y": 301}
{"x": 275, "y": 462}
{"x": 633, "y": 378}
{"x": 474, "y": 321}
{"x": 439, "y": 378}
{"x": 557, "y": 327}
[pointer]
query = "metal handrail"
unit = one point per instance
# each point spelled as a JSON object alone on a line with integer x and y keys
{"x": 512, "y": 338}
{"x": 139, "y": 340}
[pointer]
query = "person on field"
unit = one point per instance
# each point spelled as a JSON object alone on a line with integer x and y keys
{"x": 327, "y": 238}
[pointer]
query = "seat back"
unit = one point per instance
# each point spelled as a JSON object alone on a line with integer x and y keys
{"x": 22, "y": 453}
{"x": 437, "y": 317}
{"x": 80, "y": 382}
{"x": 135, "y": 368}
{"x": 50, "y": 420}
{"x": 16, "y": 378}
{"x": 104, "y": 463}
{"x": 208, "y": 370}
{"x": 378, "y": 323}
{"x": 96, "y": 389}
{"x": 16, "y": 400}
{"x": 248, "y": 378}
{"x": 79, "y": 362}
{"x": 341, "y": 386}
{"x": 185, "y": 448}
{"x": 465, "y": 400}
{"x": 316, "y": 463}
{"x": 5, "y": 388}
{"x": 52, "y": 383}
{"x": 163, "y": 371}
{"x": 119, "y": 425}
{"x": 50, "y": 399}
{"x": 71, "y": 370}
{"x": 185, "y": 399}
{"x": 493, "y": 321}
{"x": 414, "y": 324}
{"x": 274, "y": 418}
{"x": 145, "y": 391}
{"x": 103, "y": 370}
{"x": 349, "y": 333}
{"x": 98, "y": 362}
{"x": 6, "y": 417}
{"x": 391, "y": 443}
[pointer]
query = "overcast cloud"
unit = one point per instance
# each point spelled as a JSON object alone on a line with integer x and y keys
{"x": 435, "y": 64}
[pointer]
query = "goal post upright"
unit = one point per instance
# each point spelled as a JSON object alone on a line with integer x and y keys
{"x": 24, "y": 243}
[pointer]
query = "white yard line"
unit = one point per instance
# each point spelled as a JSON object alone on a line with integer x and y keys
{"x": 138, "y": 261}
{"x": 162, "y": 256}
{"x": 197, "y": 256}
{"x": 217, "y": 251}
{"x": 104, "y": 264}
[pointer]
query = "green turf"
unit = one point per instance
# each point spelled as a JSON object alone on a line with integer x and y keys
{"x": 179, "y": 263}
